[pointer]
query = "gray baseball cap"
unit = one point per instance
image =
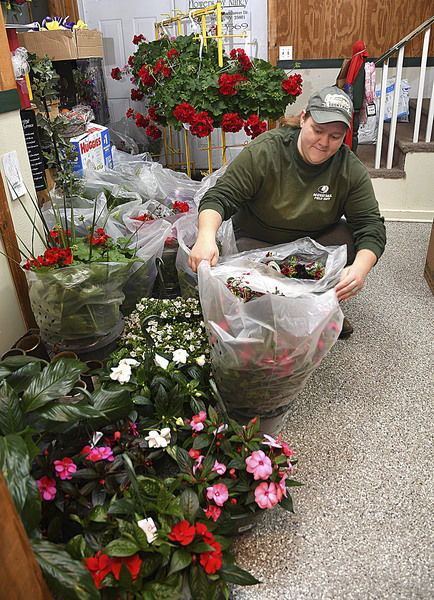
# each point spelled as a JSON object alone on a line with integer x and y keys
{"x": 330, "y": 104}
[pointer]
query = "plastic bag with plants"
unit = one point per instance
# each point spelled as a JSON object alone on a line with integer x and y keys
{"x": 187, "y": 230}
{"x": 267, "y": 332}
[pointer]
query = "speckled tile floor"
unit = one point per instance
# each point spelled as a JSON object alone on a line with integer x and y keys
{"x": 362, "y": 430}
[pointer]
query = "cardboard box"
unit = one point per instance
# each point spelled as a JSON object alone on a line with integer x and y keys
{"x": 63, "y": 44}
{"x": 429, "y": 264}
{"x": 93, "y": 149}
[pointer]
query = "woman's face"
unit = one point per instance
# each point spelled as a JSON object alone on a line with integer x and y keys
{"x": 319, "y": 141}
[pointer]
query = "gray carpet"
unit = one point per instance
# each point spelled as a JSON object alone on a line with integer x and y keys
{"x": 362, "y": 431}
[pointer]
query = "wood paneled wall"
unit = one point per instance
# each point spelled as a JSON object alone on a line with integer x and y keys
{"x": 329, "y": 28}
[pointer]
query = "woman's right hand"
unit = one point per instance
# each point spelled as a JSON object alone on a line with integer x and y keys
{"x": 204, "y": 249}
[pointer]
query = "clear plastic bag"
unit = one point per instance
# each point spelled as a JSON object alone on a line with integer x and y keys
{"x": 186, "y": 233}
{"x": 208, "y": 182}
{"x": 79, "y": 301}
{"x": 263, "y": 351}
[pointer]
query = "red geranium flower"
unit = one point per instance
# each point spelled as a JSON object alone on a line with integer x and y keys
{"x": 159, "y": 66}
{"x": 153, "y": 132}
{"x": 254, "y": 126}
{"x": 141, "y": 121}
{"x": 184, "y": 112}
{"x": 130, "y": 60}
{"x": 180, "y": 207}
{"x": 167, "y": 72}
{"x": 99, "y": 239}
{"x": 129, "y": 113}
{"x": 293, "y": 85}
{"x": 239, "y": 55}
{"x": 201, "y": 124}
{"x": 232, "y": 122}
{"x": 136, "y": 95}
{"x": 227, "y": 83}
{"x": 116, "y": 74}
{"x": 146, "y": 77}
{"x": 153, "y": 115}
{"x": 138, "y": 38}
{"x": 99, "y": 566}
{"x": 172, "y": 53}
{"x": 183, "y": 533}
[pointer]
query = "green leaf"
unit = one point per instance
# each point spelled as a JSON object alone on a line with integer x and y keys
{"x": 15, "y": 465}
{"x": 180, "y": 560}
{"x": 69, "y": 413}
{"x": 201, "y": 587}
{"x": 67, "y": 577}
{"x": 114, "y": 404}
{"x": 183, "y": 459}
{"x": 99, "y": 515}
{"x": 202, "y": 441}
{"x": 287, "y": 503}
{"x": 56, "y": 380}
{"x": 189, "y": 503}
{"x": 11, "y": 415}
{"x": 31, "y": 513}
{"x": 233, "y": 574}
{"x": 21, "y": 378}
{"x": 121, "y": 547}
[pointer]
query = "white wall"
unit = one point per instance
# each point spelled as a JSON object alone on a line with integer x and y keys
{"x": 12, "y": 325}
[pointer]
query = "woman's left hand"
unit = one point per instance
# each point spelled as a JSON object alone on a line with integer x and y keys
{"x": 353, "y": 277}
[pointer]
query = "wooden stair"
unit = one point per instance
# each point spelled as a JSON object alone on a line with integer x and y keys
{"x": 403, "y": 145}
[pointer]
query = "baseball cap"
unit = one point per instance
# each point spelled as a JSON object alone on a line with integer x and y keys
{"x": 330, "y": 104}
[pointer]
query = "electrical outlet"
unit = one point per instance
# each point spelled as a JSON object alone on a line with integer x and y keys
{"x": 285, "y": 52}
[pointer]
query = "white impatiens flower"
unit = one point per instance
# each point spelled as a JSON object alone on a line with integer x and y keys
{"x": 160, "y": 361}
{"x": 155, "y": 440}
{"x": 148, "y": 526}
{"x": 201, "y": 360}
{"x": 180, "y": 356}
{"x": 165, "y": 433}
{"x": 122, "y": 373}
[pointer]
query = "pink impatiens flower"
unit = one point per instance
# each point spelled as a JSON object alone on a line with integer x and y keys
{"x": 101, "y": 453}
{"x": 266, "y": 496}
{"x": 47, "y": 487}
{"x": 259, "y": 464}
{"x": 197, "y": 421}
{"x": 218, "y": 493}
{"x": 198, "y": 464}
{"x": 212, "y": 512}
{"x": 219, "y": 468}
{"x": 65, "y": 468}
{"x": 281, "y": 487}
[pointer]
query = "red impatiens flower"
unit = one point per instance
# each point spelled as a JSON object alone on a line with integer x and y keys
{"x": 129, "y": 113}
{"x": 153, "y": 115}
{"x": 202, "y": 531}
{"x": 146, "y": 77}
{"x": 293, "y": 85}
{"x": 136, "y": 95}
{"x": 172, "y": 53}
{"x": 99, "y": 566}
{"x": 213, "y": 512}
{"x": 141, "y": 121}
{"x": 232, "y": 122}
{"x": 183, "y": 533}
{"x": 239, "y": 55}
{"x": 116, "y": 74}
{"x": 201, "y": 124}
{"x": 137, "y": 39}
{"x": 133, "y": 564}
{"x": 153, "y": 132}
{"x": 184, "y": 112}
{"x": 212, "y": 561}
{"x": 254, "y": 126}
{"x": 228, "y": 83}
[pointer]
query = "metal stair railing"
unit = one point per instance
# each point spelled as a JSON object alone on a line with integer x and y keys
{"x": 384, "y": 60}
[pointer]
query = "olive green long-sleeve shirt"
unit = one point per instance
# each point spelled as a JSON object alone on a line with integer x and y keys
{"x": 274, "y": 196}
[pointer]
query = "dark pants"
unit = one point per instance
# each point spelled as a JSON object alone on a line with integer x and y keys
{"x": 335, "y": 235}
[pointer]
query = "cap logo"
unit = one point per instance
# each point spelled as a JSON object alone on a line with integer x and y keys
{"x": 338, "y": 101}
{"x": 323, "y": 189}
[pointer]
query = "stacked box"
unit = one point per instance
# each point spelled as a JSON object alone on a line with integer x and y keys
{"x": 93, "y": 149}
